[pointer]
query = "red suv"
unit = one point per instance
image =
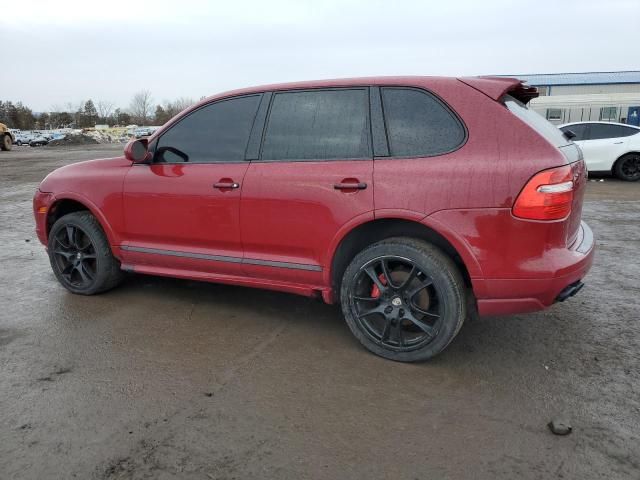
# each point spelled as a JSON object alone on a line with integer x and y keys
{"x": 413, "y": 202}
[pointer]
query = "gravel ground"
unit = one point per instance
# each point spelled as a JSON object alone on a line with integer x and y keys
{"x": 167, "y": 378}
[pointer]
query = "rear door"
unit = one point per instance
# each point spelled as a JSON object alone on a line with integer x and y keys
{"x": 182, "y": 211}
{"x": 313, "y": 177}
{"x": 604, "y": 144}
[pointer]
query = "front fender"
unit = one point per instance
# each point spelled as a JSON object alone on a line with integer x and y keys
{"x": 112, "y": 236}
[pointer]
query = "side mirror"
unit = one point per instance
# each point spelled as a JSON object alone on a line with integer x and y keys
{"x": 137, "y": 151}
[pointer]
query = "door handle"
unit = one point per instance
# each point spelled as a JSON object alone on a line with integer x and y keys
{"x": 617, "y": 143}
{"x": 222, "y": 185}
{"x": 350, "y": 186}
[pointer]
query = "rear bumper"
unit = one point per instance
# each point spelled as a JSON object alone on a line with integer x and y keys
{"x": 521, "y": 295}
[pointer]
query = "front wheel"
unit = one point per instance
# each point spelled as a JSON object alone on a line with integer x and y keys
{"x": 628, "y": 167}
{"x": 80, "y": 255}
{"x": 6, "y": 142}
{"x": 403, "y": 299}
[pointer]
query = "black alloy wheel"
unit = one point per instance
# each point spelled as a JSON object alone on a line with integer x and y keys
{"x": 80, "y": 255}
{"x": 75, "y": 256}
{"x": 403, "y": 299}
{"x": 396, "y": 303}
{"x": 628, "y": 167}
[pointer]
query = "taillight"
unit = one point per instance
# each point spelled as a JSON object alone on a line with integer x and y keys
{"x": 547, "y": 196}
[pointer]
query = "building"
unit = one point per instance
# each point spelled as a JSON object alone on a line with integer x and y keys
{"x": 574, "y": 97}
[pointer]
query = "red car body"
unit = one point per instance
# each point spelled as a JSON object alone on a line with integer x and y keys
{"x": 286, "y": 228}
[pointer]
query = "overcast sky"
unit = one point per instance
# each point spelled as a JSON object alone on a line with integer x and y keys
{"x": 63, "y": 51}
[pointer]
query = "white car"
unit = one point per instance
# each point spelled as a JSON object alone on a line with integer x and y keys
{"x": 142, "y": 132}
{"x": 22, "y": 138}
{"x": 608, "y": 147}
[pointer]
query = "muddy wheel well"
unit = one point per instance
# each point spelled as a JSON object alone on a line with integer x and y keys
{"x": 377, "y": 230}
{"x": 61, "y": 208}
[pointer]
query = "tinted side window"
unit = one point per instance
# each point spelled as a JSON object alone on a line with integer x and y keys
{"x": 602, "y": 130}
{"x": 217, "y": 132}
{"x": 579, "y": 130}
{"x": 418, "y": 124}
{"x": 628, "y": 131}
{"x": 318, "y": 125}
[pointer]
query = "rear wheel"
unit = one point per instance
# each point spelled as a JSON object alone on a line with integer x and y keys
{"x": 6, "y": 143}
{"x": 628, "y": 167}
{"x": 80, "y": 255}
{"x": 403, "y": 299}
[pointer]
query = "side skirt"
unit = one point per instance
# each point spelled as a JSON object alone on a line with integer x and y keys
{"x": 295, "y": 288}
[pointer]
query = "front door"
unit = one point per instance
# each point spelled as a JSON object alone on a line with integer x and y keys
{"x": 313, "y": 177}
{"x": 182, "y": 210}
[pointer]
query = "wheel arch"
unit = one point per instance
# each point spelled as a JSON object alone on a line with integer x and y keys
{"x": 372, "y": 231}
{"x": 613, "y": 167}
{"x": 615, "y": 164}
{"x": 69, "y": 203}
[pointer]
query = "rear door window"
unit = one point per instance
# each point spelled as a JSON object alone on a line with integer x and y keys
{"x": 419, "y": 124}
{"x": 599, "y": 131}
{"x": 318, "y": 125}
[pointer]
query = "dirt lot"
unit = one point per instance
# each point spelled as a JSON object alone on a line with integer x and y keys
{"x": 166, "y": 378}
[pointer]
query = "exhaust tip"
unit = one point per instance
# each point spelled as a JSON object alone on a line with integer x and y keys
{"x": 570, "y": 291}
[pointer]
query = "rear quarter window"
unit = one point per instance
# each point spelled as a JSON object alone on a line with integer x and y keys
{"x": 546, "y": 129}
{"x": 419, "y": 124}
{"x": 599, "y": 131}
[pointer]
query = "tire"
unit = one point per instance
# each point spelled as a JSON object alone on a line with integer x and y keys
{"x": 80, "y": 255}
{"x": 19, "y": 143}
{"x": 415, "y": 315}
{"x": 6, "y": 142}
{"x": 627, "y": 167}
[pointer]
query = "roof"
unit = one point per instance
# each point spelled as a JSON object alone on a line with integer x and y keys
{"x": 589, "y": 99}
{"x": 584, "y": 78}
{"x": 491, "y": 86}
{"x": 336, "y": 82}
{"x": 430, "y": 82}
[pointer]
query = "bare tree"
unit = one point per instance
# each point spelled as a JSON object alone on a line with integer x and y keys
{"x": 105, "y": 109}
{"x": 182, "y": 103}
{"x": 175, "y": 107}
{"x": 141, "y": 106}
{"x": 76, "y": 111}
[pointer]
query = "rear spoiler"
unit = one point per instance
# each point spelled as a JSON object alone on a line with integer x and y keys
{"x": 497, "y": 87}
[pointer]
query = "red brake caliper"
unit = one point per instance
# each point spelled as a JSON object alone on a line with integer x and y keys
{"x": 375, "y": 291}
